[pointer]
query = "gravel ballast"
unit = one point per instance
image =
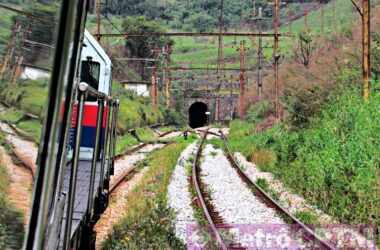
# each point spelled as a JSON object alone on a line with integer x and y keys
{"x": 237, "y": 204}
{"x": 179, "y": 197}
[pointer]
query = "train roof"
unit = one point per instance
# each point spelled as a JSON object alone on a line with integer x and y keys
{"x": 88, "y": 38}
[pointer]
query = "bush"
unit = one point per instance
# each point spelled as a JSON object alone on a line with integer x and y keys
{"x": 258, "y": 111}
{"x": 173, "y": 117}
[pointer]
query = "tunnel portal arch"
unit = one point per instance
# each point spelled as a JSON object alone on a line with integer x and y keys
{"x": 197, "y": 114}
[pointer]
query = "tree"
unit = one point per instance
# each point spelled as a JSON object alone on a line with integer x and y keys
{"x": 305, "y": 48}
{"x": 142, "y": 47}
{"x": 201, "y": 22}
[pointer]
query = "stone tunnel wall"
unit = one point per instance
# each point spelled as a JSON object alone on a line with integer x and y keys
{"x": 228, "y": 107}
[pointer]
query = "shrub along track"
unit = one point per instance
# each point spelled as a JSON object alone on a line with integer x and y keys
{"x": 214, "y": 219}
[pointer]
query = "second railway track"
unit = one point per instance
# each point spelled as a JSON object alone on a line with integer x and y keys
{"x": 123, "y": 176}
{"x": 215, "y": 221}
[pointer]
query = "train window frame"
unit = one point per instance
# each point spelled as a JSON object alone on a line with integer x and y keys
{"x": 93, "y": 72}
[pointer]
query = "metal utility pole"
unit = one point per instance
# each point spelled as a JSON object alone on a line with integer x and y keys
{"x": 154, "y": 90}
{"x": 242, "y": 80}
{"x": 167, "y": 75}
{"x": 365, "y": 13}
{"x": 260, "y": 58}
{"x": 276, "y": 57}
{"x": 98, "y": 19}
{"x": 220, "y": 63}
{"x": 366, "y": 19}
{"x": 220, "y": 39}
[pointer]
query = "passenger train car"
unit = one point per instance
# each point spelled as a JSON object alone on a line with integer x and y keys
{"x": 76, "y": 151}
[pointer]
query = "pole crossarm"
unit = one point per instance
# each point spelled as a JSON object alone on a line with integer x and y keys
{"x": 135, "y": 82}
{"x": 205, "y": 68}
{"x": 133, "y": 35}
{"x": 26, "y": 13}
{"x": 357, "y": 7}
{"x": 136, "y": 59}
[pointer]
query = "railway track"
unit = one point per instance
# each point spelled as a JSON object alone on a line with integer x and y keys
{"x": 215, "y": 221}
{"x": 140, "y": 146}
{"x": 211, "y": 215}
{"x": 131, "y": 171}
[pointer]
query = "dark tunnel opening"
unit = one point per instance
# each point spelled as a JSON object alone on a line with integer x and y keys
{"x": 197, "y": 115}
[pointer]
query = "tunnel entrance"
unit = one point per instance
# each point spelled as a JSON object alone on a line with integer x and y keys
{"x": 197, "y": 115}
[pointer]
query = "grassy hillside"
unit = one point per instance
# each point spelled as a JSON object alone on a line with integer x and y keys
{"x": 336, "y": 157}
{"x": 31, "y": 96}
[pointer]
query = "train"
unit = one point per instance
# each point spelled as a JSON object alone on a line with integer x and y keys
{"x": 77, "y": 147}
{"x": 96, "y": 70}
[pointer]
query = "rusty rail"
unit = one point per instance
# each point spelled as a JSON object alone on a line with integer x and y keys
{"x": 131, "y": 171}
{"x": 201, "y": 198}
{"x": 140, "y": 146}
{"x": 310, "y": 234}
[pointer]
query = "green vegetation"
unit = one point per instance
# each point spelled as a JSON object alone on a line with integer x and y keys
{"x": 11, "y": 222}
{"x": 146, "y": 134}
{"x": 148, "y": 222}
{"x": 6, "y": 22}
{"x": 135, "y": 111}
{"x": 307, "y": 217}
{"x": 32, "y": 128}
{"x": 28, "y": 96}
{"x": 336, "y": 156}
{"x": 25, "y": 97}
{"x": 11, "y": 115}
{"x": 124, "y": 142}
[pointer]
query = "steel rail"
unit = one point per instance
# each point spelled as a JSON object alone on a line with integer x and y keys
{"x": 201, "y": 199}
{"x": 125, "y": 174}
{"x": 268, "y": 200}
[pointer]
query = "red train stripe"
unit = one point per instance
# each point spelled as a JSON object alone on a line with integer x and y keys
{"x": 90, "y": 116}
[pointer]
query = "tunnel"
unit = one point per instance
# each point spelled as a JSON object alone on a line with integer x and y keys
{"x": 197, "y": 115}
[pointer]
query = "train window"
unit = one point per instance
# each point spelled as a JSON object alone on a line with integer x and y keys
{"x": 90, "y": 73}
